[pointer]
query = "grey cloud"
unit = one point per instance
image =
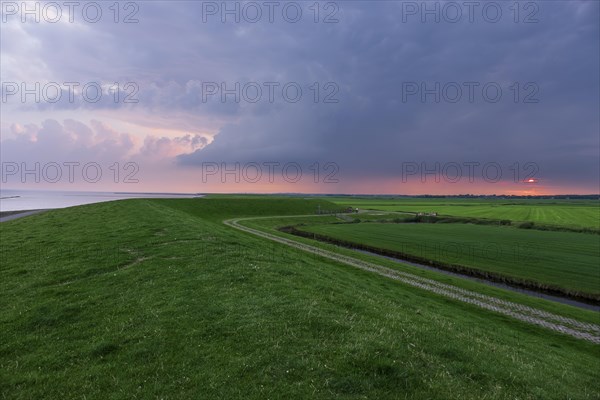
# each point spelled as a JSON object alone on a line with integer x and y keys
{"x": 369, "y": 54}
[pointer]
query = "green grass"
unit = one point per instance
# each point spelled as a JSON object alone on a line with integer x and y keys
{"x": 570, "y": 261}
{"x": 158, "y": 299}
{"x": 568, "y": 213}
{"x": 272, "y": 225}
{"x": 217, "y": 208}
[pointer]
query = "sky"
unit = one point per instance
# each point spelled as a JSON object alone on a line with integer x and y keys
{"x": 390, "y": 97}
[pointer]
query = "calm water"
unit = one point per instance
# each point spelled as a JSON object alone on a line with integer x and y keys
{"x": 16, "y": 200}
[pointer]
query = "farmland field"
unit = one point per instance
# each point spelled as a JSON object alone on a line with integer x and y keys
{"x": 159, "y": 299}
{"x": 563, "y": 259}
{"x": 569, "y": 213}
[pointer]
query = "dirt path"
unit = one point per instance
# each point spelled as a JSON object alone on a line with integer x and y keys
{"x": 580, "y": 330}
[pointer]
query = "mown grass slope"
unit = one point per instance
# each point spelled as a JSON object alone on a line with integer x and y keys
{"x": 157, "y": 299}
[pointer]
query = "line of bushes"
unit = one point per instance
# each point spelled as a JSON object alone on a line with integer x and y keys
{"x": 431, "y": 219}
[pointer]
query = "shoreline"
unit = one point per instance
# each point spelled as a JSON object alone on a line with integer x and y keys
{"x": 44, "y": 200}
{"x": 12, "y": 215}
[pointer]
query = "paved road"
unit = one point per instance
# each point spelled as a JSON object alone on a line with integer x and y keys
{"x": 568, "y": 326}
{"x": 20, "y": 215}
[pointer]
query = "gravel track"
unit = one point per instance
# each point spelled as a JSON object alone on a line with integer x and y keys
{"x": 577, "y": 329}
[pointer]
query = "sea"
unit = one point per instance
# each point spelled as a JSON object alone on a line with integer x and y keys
{"x": 22, "y": 200}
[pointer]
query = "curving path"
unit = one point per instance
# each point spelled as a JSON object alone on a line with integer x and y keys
{"x": 580, "y": 330}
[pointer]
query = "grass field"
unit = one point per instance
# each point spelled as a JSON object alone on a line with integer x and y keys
{"x": 158, "y": 299}
{"x": 273, "y": 225}
{"x": 566, "y": 260}
{"x": 568, "y": 213}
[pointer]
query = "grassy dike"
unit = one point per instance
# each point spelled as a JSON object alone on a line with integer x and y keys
{"x": 158, "y": 299}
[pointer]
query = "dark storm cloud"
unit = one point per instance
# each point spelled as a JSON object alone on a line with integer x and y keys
{"x": 370, "y": 55}
{"x": 373, "y": 130}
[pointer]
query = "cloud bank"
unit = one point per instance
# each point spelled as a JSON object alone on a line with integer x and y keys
{"x": 385, "y": 86}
